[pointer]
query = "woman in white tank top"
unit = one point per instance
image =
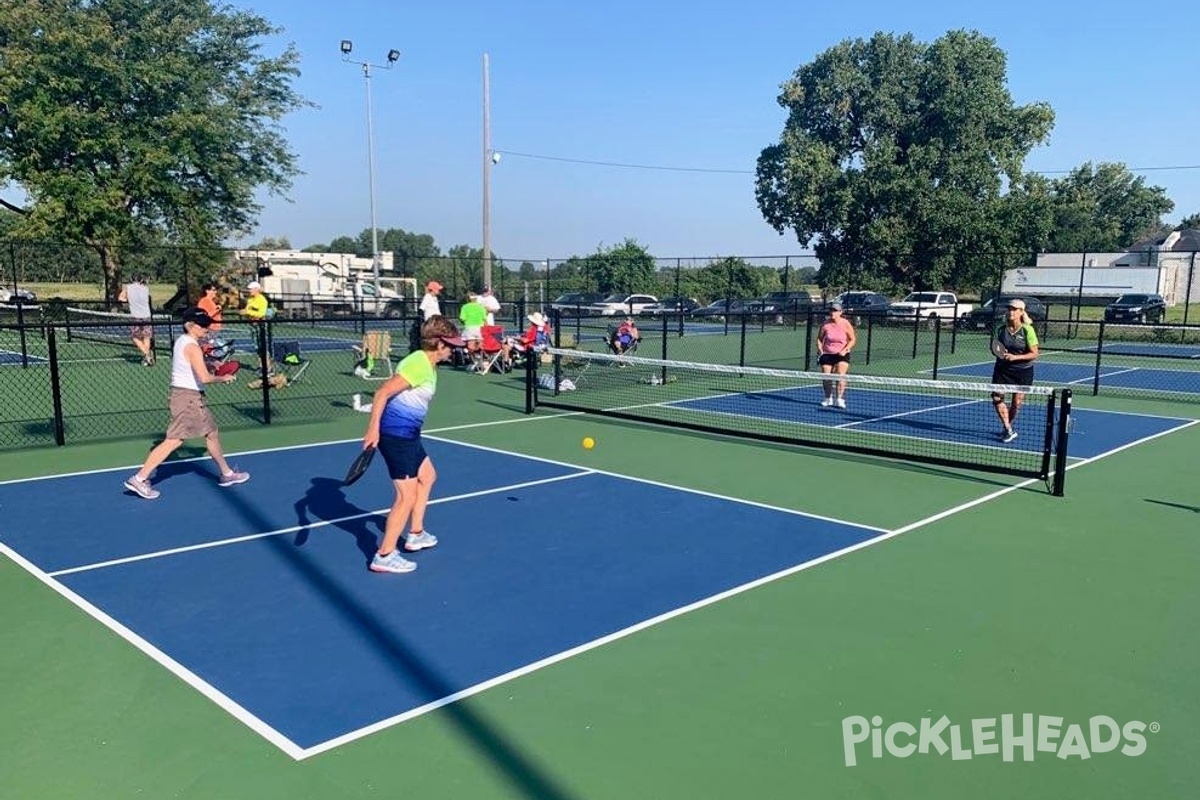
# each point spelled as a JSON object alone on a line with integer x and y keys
{"x": 190, "y": 416}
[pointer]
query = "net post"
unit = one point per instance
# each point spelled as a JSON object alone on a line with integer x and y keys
{"x": 1099, "y": 359}
{"x": 60, "y": 438}
{"x": 1060, "y": 455}
{"x": 556, "y": 315}
{"x": 1048, "y": 435}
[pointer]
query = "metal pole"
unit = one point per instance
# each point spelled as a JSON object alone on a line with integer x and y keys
{"x": 371, "y": 173}
{"x": 487, "y": 175}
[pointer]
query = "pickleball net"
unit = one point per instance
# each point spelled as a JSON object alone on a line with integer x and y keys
{"x": 946, "y": 423}
{"x": 114, "y": 327}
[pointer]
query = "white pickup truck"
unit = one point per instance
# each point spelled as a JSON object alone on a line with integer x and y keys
{"x": 928, "y": 305}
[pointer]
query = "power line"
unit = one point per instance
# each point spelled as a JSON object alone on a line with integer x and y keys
{"x": 663, "y": 168}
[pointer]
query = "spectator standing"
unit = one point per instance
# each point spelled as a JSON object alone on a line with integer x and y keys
{"x": 430, "y": 307}
{"x": 490, "y": 304}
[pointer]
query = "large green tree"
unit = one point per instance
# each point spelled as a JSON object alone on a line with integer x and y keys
{"x": 136, "y": 122}
{"x": 894, "y": 156}
{"x": 1103, "y": 209}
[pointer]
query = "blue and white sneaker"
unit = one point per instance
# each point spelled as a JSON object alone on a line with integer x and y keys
{"x": 421, "y": 541}
{"x": 1009, "y": 436}
{"x": 392, "y": 562}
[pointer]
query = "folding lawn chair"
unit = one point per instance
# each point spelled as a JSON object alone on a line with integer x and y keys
{"x": 288, "y": 361}
{"x": 493, "y": 349}
{"x": 374, "y": 355}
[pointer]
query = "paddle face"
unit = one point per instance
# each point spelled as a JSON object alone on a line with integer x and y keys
{"x": 227, "y": 368}
{"x": 359, "y": 467}
{"x": 998, "y": 350}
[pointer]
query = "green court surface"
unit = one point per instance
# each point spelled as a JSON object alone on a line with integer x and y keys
{"x": 989, "y": 598}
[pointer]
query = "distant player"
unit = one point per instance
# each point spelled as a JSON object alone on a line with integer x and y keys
{"x": 137, "y": 295}
{"x": 1015, "y": 345}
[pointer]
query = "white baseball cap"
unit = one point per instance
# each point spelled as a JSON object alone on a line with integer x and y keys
{"x": 253, "y": 285}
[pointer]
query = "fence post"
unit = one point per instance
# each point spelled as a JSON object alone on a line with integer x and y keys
{"x": 937, "y": 344}
{"x": 264, "y": 369}
{"x": 1099, "y": 354}
{"x": 55, "y": 388}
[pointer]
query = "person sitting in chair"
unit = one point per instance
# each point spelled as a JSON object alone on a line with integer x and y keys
{"x": 625, "y": 337}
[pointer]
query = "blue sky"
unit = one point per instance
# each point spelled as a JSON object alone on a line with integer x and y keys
{"x": 667, "y": 84}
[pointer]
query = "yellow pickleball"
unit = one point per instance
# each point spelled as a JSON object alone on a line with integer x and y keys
{"x": 588, "y": 443}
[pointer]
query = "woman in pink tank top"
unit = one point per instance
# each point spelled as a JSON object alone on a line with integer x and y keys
{"x": 835, "y": 340}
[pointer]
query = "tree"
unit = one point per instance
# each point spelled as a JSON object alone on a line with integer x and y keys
{"x": 1104, "y": 209}
{"x": 131, "y": 123}
{"x": 1190, "y": 222}
{"x": 626, "y": 267}
{"x": 894, "y": 155}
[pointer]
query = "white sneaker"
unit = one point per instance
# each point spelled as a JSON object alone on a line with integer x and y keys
{"x": 141, "y": 488}
{"x": 841, "y": 402}
{"x": 392, "y": 562}
{"x": 827, "y": 402}
{"x": 421, "y": 541}
{"x": 233, "y": 478}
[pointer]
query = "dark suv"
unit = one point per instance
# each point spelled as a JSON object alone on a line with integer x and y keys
{"x": 988, "y": 315}
{"x": 1140, "y": 308}
{"x": 784, "y": 303}
{"x": 858, "y": 306}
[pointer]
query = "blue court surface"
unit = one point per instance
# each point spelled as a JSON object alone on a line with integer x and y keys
{"x": 14, "y": 358}
{"x": 1125, "y": 376}
{"x": 936, "y": 419}
{"x": 259, "y": 594}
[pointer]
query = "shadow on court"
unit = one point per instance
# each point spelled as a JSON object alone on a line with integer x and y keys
{"x": 481, "y": 733}
{"x": 325, "y": 500}
{"x": 1193, "y": 509}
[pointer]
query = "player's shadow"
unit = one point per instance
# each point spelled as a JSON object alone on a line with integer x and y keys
{"x": 326, "y": 502}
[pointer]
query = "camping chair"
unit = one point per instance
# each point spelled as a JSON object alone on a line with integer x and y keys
{"x": 620, "y": 348}
{"x": 494, "y": 350}
{"x": 375, "y": 351}
{"x": 288, "y": 361}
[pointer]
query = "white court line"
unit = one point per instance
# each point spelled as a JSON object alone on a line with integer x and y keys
{"x": 171, "y": 665}
{"x": 282, "y": 449}
{"x": 294, "y": 528}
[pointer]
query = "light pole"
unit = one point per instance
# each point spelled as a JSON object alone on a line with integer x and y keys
{"x": 392, "y": 56}
{"x": 490, "y": 158}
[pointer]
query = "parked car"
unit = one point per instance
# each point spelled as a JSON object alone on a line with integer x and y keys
{"x": 927, "y": 305}
{"x": 672, "y": 305}
{"x": 858, "y": 306}
{"x": 19, "y": 297}
{"x": 720, "y": 309}
{"x": 617, "y": 304}
{"x": 785, "y": 302}
{"x": 988, "y": 315}
{"x": 572, "y": 302}
{"x": 1140, "y": 308}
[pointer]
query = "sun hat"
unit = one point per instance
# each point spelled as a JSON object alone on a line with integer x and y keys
{"x": 433, "y": 286}
{"x": 537, "y": 318}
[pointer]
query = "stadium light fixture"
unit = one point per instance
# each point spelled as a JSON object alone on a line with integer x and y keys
{"x": 393, "y": 56}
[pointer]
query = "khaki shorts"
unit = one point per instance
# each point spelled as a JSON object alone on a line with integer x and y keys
{"x": 190, "y": 417}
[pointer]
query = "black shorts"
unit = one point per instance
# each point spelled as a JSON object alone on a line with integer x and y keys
{"x": 1008, "y": 374}
{"x": 832, "y": 359}
{"x": 402, "y": 456}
